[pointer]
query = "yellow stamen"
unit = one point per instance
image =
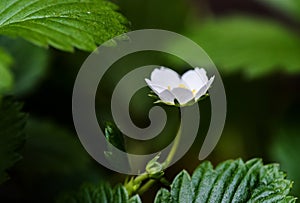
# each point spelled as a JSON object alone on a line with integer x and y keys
{"x": 182, "y": 86}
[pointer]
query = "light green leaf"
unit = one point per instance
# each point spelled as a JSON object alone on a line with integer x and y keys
{"x": 12, "y": 123}
{"x": 246, "y": 44}
{"x": 231, "y": 181}
{"x": 163, "y": 196}
{"x": 63, "y": 24}
{"x": 6, "y": 79}
{"x": 135, "y": 199}
{"x": 181, "y": 188}
{"x": 100, "y": 193}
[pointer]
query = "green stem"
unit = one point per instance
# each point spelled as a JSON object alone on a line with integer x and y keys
{"x": 146, "y": 186}
{"x": 173, "y": 150}
{"x": 141, "y": 178}
{"x": 135, "y": 185}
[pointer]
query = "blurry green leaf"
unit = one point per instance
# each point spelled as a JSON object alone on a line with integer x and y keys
{"x": 63, "y": 24}
{"x": 156, "y": 13}
{"x": 53, "y": 161}
{"x": 6, "y": 79}
{"x": 100, "y": 193}
{"x": 252, "y": 45}
{"x": 291, "y": 7}
{"x": 285, "y": 149}
{"x": 231, "y": 181}
{"x": 12, "y": 123}
{"x": 30, "y": 64}
{"x": 52, "y": 149}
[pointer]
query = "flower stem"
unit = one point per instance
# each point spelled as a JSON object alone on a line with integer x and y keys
{"x": 146, "y": 186}
{"x": 173, "y": 149}
{"x": 135, "y": 185}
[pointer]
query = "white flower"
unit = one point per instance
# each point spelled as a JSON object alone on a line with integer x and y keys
{"x": 168, "y": 85}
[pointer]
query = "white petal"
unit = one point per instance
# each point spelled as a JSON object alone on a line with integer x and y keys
{"x": 165, "y": 77}
{"x": 182, "y": 95}
{"x": 156, "y": 88}
{"x": 167, "y": 96}
{"x": 193, "y": 80}
{"x": 202, "y": 74}
{"x": 204, "y": 89}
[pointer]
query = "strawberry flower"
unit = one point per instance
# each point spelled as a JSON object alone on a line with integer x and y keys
{"x": 187, "y": 89}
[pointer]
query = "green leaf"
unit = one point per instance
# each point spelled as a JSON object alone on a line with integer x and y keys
{"x": 63, "y": 24}
{"x": 114, "y": 136}
{"x": 250, "y": 45}
{"x": 291, "y": 7}
{"x": 53, "y": 155}
{"x": 230, "y": 181}
{"x": 169, "y": 16}
{"x": 285, "y": 149}
{"x": 100, "y": 193}
{"x": 52, "y": 149}
{"x": 6, "y": 79}
{"x": 12, "y": 123}
{"x": 162, "y": 196}
{"x": 27, "y": 73}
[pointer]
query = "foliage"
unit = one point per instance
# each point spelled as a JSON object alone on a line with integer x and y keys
{"x": 156, "y": 13}
{"x": 30, "y": 64}
{"x": 53, "y": 159}
{"x": 63, "y": 24}
{"x": 100, "y": 193}
{"x": 251, "y": 45}
{"x": 291, "y": 7}
{"x": 52, "y": 149}
{"x": 12, "y": 123}
{"x": 231, "y": 181}
{"x": 52, "y": 155}
{"x": 6, "y": 79}
{"x": 285, "y": 149}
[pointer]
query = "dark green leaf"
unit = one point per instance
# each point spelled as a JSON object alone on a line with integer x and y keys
{"x": 114, "y": 136}
{"x": 12, "y": 123}
{"x": 52, "y": 149}
{"x": 285, "y": 149}
{"x": 101, "y": 193}
{"x": 231, "y": 181}
{"x": 63, "y": 24}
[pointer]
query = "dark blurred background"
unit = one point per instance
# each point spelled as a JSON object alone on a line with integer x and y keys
{"x": 256, "y": 47}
